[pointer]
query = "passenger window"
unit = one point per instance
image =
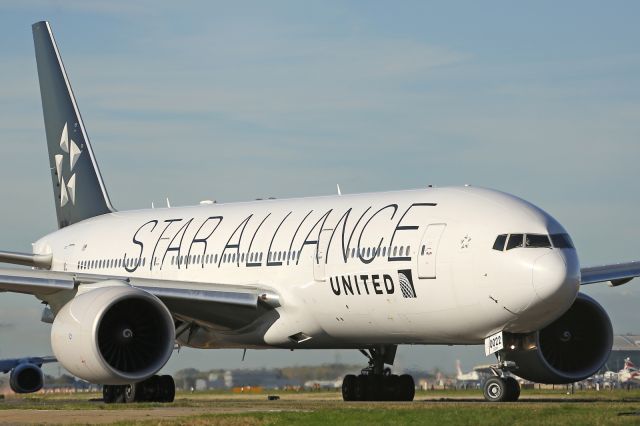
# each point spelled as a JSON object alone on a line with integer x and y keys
{"x": 537, "y": 240}
{"x": 384, "y": 251}
{"x": 401, "y": 250}
{"x": 499, "y": 242}
{"x": 395, "y": 250}
{"x": 562, "y": 241}
{"x": 515, "y": 241}
{"x": 408, "y": 250}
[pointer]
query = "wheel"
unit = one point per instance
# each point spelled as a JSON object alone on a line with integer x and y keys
{"x": 167, "y": 389}
{"x": 108, "y": 394}
{"x": 113, "y": 394}
{"x": 349, "y": 388}
{"x": 513, "y": 389}
{"x": 376, "y": 388}
{"x": 131, "y": 392}
{"x": 361, "y": 388}
{"x": 495, "y": 390}
{"x": 407, "y": 387}
{"x": 149, "y": 390}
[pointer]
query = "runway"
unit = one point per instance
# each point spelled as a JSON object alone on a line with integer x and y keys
{"x": 459, "y": 407}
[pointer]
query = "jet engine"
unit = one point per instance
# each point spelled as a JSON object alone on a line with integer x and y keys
{"x": 570, "y": 349}
{"x": 114, "y": 334}
{"x": 26, "y": 378}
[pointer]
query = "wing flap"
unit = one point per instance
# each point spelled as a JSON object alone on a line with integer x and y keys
{"x": 617, "y": 274}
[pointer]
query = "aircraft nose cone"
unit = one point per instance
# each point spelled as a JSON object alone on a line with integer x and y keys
{"x": 554, "y": 278}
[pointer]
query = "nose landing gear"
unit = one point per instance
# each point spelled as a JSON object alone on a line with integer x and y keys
{"x": 376, "y": 383}
{"x": 500, "y": 387}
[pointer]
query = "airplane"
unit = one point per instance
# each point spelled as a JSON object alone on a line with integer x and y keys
{"x": 472, "y": 378}
{"x": 629, "y": 374}
{"x": 369, "y": 272}
{"x": 25, "y": 373}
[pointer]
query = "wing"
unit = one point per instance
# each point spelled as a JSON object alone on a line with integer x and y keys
{"x": 215, "y": 305}
{"x": 617, "y": 274}
{"x": 7, "y": 365}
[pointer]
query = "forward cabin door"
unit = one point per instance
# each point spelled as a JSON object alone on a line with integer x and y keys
{"x": 428, "y": 250}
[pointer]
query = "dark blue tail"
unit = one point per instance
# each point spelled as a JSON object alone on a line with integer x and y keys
{"x": 77, "y": 185}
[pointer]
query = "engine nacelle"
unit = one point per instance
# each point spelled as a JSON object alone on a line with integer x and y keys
{"x": 113, "y": 334}
{"x": 570, "y": 349}
{"x": 26, "y": 378}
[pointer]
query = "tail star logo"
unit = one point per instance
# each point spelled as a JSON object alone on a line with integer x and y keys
{"x": 72, "y": 152}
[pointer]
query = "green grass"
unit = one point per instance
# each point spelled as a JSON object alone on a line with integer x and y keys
{"x": 539, "y": 407}
{"x": 444, "y": 414}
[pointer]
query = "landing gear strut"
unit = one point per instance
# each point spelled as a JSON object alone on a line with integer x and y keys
{"x": 154, "y": 389}
{"x": 376, "y": 383}
{"x": 500, "y": 387}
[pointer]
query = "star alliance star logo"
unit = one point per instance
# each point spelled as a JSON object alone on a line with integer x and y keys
{"x": 72, "y": 151}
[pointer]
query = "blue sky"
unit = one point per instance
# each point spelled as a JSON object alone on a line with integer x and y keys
{"x": 238, "y": 100}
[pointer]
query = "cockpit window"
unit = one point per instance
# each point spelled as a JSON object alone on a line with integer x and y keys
{"x": 537, "y": 240}
{"x": 515, "y": 241}
{"x": 561, "y": 241}
{"x": 499, "y": 243}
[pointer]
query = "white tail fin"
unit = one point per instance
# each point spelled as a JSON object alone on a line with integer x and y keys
{"x": 458, "y": 368}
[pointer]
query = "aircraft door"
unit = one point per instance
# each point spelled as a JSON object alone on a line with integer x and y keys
{"x": 428, "y": 250}
{"x": 69, "y": 258}
{"x": 319, "y": 263}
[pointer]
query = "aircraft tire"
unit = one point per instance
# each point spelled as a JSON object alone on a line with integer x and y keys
{"x": 113, "y": 394}
{"x": 167, "y": 387}
{"x": 349, "y": 388}
{"x": 407, "y": 387}
{"x": 132, "y": 393}
{"x": 495, "y": 390}
{"x": 361, "y": 388}
{"x": 513, "y": 389}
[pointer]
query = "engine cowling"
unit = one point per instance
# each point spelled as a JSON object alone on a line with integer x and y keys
{"x": 113, "y": 334}
{"x": 26, "y": 378}
{"x": 570, "y": 349}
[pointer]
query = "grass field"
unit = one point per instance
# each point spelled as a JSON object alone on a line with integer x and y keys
{"x": 327, "y": 409}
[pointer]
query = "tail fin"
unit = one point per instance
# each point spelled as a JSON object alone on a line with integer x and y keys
{"x": 628, "y": 364}
{"x": 77, "y": 185}
{"x": 458, "y": 368}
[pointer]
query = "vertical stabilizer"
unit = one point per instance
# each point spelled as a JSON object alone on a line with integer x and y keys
{"x": 77, "y": 185}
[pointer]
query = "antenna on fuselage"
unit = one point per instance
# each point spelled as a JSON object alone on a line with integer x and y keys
{"x": 338, "y": 186}
{"x": 168, "y": 203}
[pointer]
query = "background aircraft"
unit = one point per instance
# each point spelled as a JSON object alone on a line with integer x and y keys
{"x": 25, "y": 373}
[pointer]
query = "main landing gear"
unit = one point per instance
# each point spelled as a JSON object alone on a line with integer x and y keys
{"x": 500, "y": 387}
{"x": 376, "y": 383}
{"x": 154, "y": 389}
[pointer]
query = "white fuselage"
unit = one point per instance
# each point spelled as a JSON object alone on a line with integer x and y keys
{"x": 388, "y": 268}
